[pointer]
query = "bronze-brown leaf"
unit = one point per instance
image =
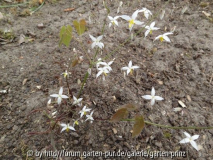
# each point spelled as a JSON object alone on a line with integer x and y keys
{"x": 119, "y": 115}
{"x": 138, "y": 126}
{"x": 130, "y": 107}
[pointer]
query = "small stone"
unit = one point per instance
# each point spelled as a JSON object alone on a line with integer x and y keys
{"x": 75, "y": 142}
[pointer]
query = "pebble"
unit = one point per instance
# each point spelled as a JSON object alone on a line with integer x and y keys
{"x": 75, "y": 142}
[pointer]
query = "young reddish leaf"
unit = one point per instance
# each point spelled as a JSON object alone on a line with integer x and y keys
{"x": 138, "y": 126}
{"x": 80, "y": 26}
{"x": 65, "y": 35}
{"x": 120, "y": 114}
{"x": 130, "y": 107}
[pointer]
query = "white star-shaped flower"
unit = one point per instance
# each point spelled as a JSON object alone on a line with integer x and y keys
{"x": 190, "y": 139}
{"x": 113, "y": 21}
{"x": 153, "y": 97}
{"x": 132, "y": 20}
{"x": 59, "y": 95}
{"x": 103, "y": 71}
{"x": 89, "y": 117}
{"x": 84, "y": 111}
{"x": 164, "y": 37}
{"x": 66, "y": 127}
{"x": 130, "y": 68}
{"x": 106, "y": 65}
{"x": 77, "y": 101}
{"x": 146, "y": 12}
{"x": 66, "y": 74}
{"x": 150, "y": 28}
{"x": 96, "y": 41}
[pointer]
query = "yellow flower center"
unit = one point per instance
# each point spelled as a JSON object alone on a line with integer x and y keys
{"x": 85, "y": 113}
{"x": 161, "y": 39}
{"x": 105, "y": 73}
{"x": 131, "y": 22}
{"x": 150, "y": 31}
{"x": 76, "y": 122}
{"x": 131, "y": 71}
{"x": 67, "y": 129}
{"x": 113, "y": 23}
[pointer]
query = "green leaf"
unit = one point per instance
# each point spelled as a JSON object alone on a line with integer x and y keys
{"x": 138, "y": 126}
{"x": 80, "y": 26}
{"x": 120, "y": 114}
{"x": 65, "y": 35}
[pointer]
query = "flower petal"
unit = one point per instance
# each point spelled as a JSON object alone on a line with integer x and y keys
{"x": 153, "y": 91}
{"x": 147, "y": 97}
{"x": 93, "y": 38}
{"x": 168, "y": 33}
{"x": 158, "y": 37}
{"x": 194, "y": 144}
{"x": 110, "y": 24}
{"x": 64, "y": 96}
{"x": 166, "y": 38}
{"x": 152, "y": 101}
{"x": 185, "y": 140}
{"x": 135, "y": 67}
{"x": 152, "y": 24}
{"x": 61, "y": 91}
{"x": 99, "y": 73}
{"x": 71, "y": 128}
{"x": 116, "y": 22}
{"x": 110, "y": 18}
{"x": 158, "y": 98}
{"x": 54, "y": 95}
{"x": 130, "y": 64}
{"x": 127, "y": 18}
{"x": 59, "y": 100}
{"x": 127, "y": 72}
{"x": 195, "y": 137}
{"x": 147, "y": 32}
{"x": 74, "y": 98}
{"x": 63, "y": 125}
{"x": 63, "y": 129}
{"x": 134, "y": 15}
{"x": 93, "y": 44}
{"x": 138, "y": 22}
{"x": 124, "y": 68}
{"x": 187, "y": 135}
{"x": 99, "y": 38}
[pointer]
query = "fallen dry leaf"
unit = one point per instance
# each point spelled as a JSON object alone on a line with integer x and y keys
{"x": 189, "y": 98}
{"x": 24, "y": 81}
{"x": 40, "y": 25}
{"x": 182, "y": 104}
{"x": 69, "y": 9}
{"x": 206, "y": 14}
{"x": 21, "y": 39}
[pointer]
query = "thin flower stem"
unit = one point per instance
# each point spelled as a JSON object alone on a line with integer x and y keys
{"x": 170, "y": 127}
{"x": 14, "y": 5}
{"x": 87, "y": 74}
{"x": 69, "y": 90}
{"x": 39, "y": 7}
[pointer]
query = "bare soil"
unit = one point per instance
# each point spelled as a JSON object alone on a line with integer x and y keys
{"x": 180, "y": 70}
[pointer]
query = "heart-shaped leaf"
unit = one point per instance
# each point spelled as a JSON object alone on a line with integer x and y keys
{"x": 138, "y": 126}
{"x": 65, "y": 35}
{"x": 80, "y": 26}
{"x": 130, "y": 107}
{"x": 120, "y": 114}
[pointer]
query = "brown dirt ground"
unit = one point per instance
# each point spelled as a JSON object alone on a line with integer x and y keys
{"x": 178, "y": 70}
